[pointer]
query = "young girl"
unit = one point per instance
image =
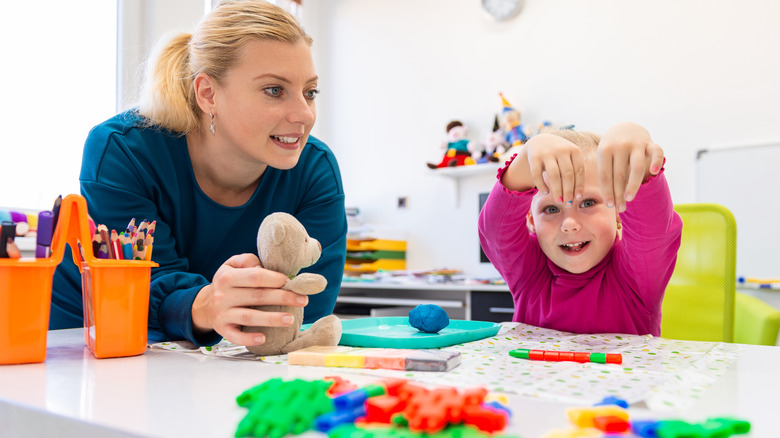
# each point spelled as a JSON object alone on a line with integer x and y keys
{"x": 582, "y": 230}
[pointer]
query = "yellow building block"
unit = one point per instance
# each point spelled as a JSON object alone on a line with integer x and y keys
{"x": 583, "y": 417}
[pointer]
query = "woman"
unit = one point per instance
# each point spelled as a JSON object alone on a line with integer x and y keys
{"x": 219, "y": 141}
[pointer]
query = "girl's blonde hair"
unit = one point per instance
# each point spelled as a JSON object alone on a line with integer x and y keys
{"x": 168, "y": 96}
{"x": 588, "y": 142}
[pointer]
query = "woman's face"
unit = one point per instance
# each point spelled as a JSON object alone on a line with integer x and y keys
{"x": 265, "y": 104}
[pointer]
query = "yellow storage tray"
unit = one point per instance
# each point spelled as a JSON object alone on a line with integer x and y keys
{"x": 376, "y": 244}
{"x": 383, "y": 264}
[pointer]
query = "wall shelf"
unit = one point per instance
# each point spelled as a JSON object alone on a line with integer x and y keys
{"x": 460, "y": 172}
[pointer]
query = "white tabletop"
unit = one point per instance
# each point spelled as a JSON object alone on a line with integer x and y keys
{"x": 169, "y": 394}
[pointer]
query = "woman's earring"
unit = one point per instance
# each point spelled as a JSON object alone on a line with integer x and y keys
{"x": 619, "y": 225}
{"x": 211, "y": 126}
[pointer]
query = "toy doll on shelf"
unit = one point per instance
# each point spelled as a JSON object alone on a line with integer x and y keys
{"x": 494, "y": 145}
{"x": 458, "y": 148}
{"x": 516, "y": 133}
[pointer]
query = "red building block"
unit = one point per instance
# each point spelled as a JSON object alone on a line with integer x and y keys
{"x": 380, "y": 409}
{"x": 611, "y": 423}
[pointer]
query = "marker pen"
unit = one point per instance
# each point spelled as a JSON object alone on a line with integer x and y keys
{"x": 43, "y": 240}
{"x": 7, "y": 231}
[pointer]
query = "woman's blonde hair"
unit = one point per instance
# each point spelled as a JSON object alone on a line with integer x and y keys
{"x": 168, "y": 95}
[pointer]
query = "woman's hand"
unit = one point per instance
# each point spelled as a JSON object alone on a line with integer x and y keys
{"x": 627, "y": 157}
{"x": 224, "y": 305}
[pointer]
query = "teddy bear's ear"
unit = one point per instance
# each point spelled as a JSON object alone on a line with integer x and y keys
{"x": 277, "y": 232}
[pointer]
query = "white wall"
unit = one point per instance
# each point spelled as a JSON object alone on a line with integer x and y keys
{"x": 142, "y": 24}
{"x": 697, "y": 74}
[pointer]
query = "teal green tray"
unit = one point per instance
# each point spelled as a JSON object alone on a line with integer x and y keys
{"x": 395, "y": 332}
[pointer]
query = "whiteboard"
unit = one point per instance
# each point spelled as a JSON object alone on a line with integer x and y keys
{"x": 746, "y": 180}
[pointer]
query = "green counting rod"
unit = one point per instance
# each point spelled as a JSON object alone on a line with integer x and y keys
{"x": 570, "y": 356}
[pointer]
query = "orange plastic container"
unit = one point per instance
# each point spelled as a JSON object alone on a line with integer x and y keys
{"x": 115, "y": 292}
{"x": 25, "y": 299}
{"x": 116, "y": 306}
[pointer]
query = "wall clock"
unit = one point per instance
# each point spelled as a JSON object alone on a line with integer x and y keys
{"x": 502, "y": 10}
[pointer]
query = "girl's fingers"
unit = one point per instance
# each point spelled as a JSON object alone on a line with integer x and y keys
{"x": 578, "y": 164}
{"x": 606, "y": 178}
{"x": 537, "y": 174}
{"x": 638, "y": 165}
{"x": 553, "y": 180}
{"x": 566, "y": 169}
{"x": 656, "y": 157}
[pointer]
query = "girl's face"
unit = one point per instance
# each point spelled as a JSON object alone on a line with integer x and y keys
{"x": 265, "y": 105}
{"x": 575, "y": 237}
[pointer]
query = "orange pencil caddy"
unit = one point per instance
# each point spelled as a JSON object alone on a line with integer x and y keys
{"x": 115, "y": 292}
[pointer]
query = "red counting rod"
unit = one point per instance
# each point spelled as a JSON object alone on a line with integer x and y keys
{"x": 567, "y": 356}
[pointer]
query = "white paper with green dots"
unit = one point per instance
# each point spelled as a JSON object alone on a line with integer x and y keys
{"x": 665, "y": 374}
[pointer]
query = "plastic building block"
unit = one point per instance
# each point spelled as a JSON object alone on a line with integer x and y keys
{"x": 612, "y": 400}
{"x": 484, "y": 418}
{"x": 598, "y": 357}
{"x": 581, "y": 357}
{"x": 521, "y": 353}
{"x": 328, "y": 421}
{"x": 339, "y": 385}
{"x": 610, "y": 423}
{"x": 566, "y": 356}
{"x": 677, "y": 429}
{"x": 496, "y": 406}
{"x": 645, "y": 428}
{"x": 474, "y": 396}
{"x": 583, "y": 417}
{"x": 552, "y": 356}
{"x": 737, "y": 426}
{"x": 380, "y": 409}
{"x": 357, "y": 397}
{"x": 278, "y": 408}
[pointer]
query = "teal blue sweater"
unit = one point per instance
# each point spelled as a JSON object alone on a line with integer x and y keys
{"x": 129, "y": 172}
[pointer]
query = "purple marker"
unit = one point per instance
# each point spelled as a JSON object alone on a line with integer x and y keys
{"x": 45, "y": 229}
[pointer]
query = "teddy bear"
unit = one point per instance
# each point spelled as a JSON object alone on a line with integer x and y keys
{"x": 284, "y": 245}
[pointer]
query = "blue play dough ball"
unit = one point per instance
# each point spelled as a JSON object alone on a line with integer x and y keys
{"x": 428, "y": 318}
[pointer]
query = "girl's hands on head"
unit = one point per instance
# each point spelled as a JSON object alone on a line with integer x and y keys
{"x": 557, "y": 166}
{"x": 627, "y": 156}
{"x": 224, "y": 305}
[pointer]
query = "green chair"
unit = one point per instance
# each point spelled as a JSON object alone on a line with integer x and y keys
{"x": 700, "y": 298}
{"x": 755, "y": 321}
{"x": 701, "y": 302}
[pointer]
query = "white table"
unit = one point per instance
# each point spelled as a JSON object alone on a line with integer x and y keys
{"x": 167, "y": 394}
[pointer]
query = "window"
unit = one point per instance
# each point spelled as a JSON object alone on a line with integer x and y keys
{"x": 59, "y": 80}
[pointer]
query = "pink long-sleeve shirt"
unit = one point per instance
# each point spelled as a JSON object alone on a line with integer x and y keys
{"x": 621, "y": 294}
